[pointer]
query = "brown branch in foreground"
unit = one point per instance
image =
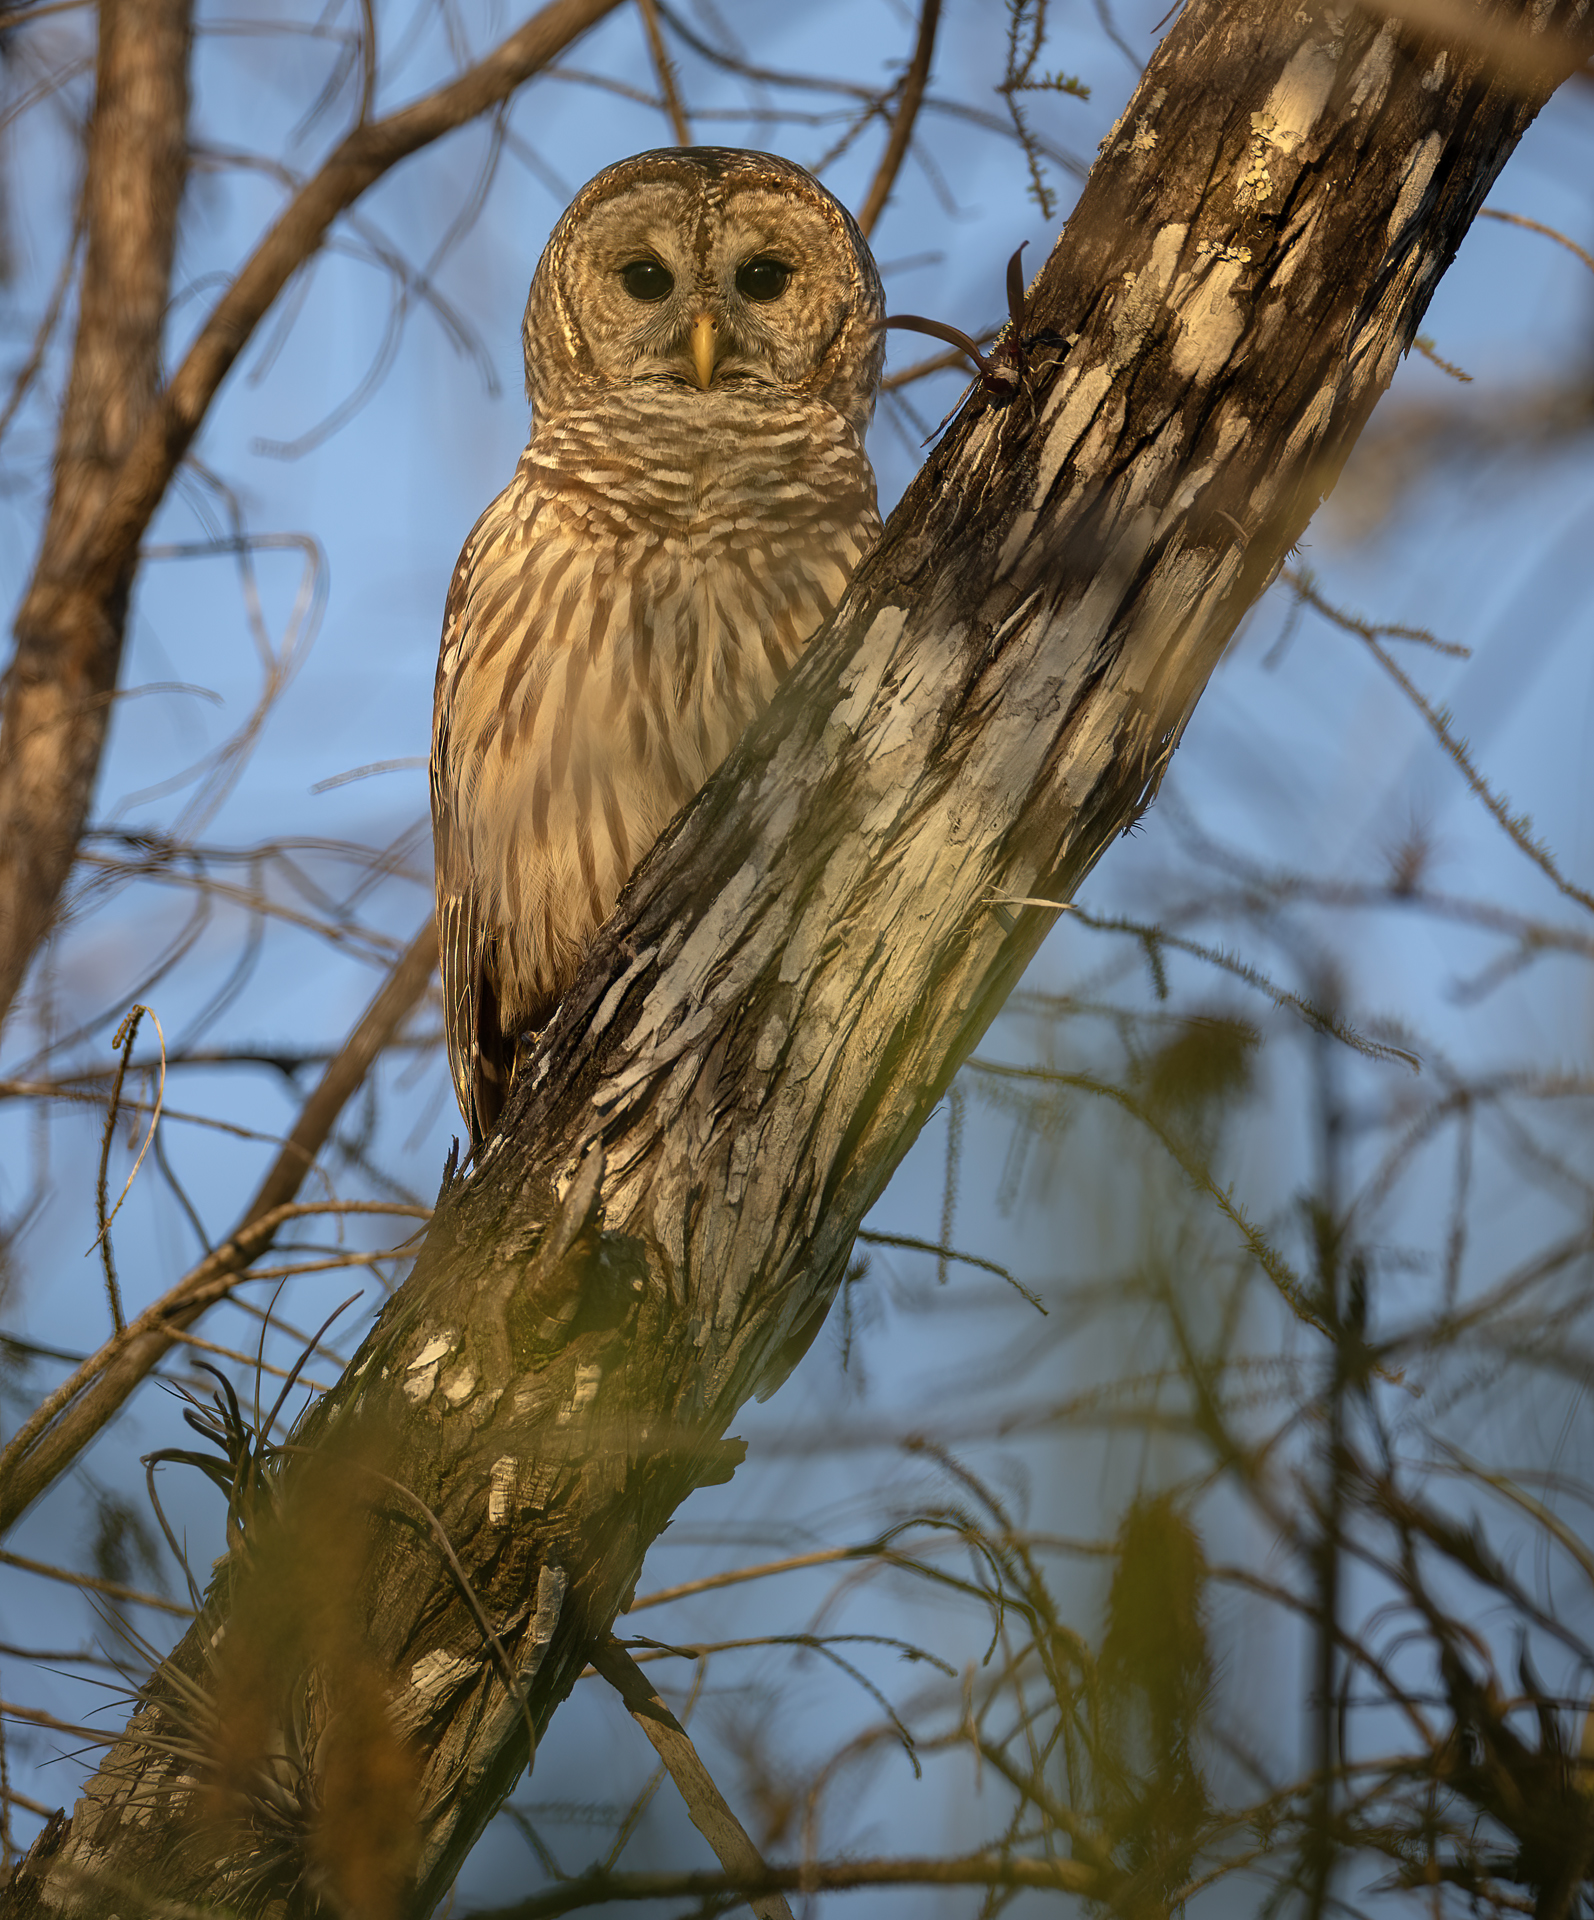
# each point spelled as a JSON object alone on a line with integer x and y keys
{"x": 815, "y": 1876}
{"x": 711, "y": 1812}
{"x": 73, "y": 616}
{"x": 64, "y": 1424}
{"x": 914, "y": 82}
{"x": 1530, "y": 59}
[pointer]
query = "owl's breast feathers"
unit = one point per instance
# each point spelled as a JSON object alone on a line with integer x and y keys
{"x": 618, "y": 615}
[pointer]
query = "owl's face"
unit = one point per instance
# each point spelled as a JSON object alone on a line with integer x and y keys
{"x": 709, "y": 270}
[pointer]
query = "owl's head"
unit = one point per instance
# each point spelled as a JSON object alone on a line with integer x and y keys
{"x": 705, "y": 268}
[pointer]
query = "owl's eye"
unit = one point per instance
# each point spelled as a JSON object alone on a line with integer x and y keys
{"x": 647, "y": 280}
{"x": 762, "y": 279}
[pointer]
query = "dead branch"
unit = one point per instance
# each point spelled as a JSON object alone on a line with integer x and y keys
{"x": 914, "y": 82}
{"x": 111, "y": 477}
{"x": 711, "y": 1812}
{"x": 64, "y": 1424}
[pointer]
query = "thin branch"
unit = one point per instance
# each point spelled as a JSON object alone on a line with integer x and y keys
{"x": 122, "y": 1044}
{"x": 15, "y": 1799}
{"x": 812, "y": 1876}
{"x": 663, "y": 67}
{"x": 59, "y": 1429}
{"x": 112, "y": 1589}
{"x": 737, "y": 1576}
{"x": 1320, "y": 1019}
{"x": 249, "y": 1360}
{"x": 910, "y": 1243}
{"x": 28, "y": 372}
{"x": 368, "y": 60}
{"x": 955, "y": 360}
{"x": 37, "y": 1717}
{"x": 710, "y": 1811}
{"x": 1429, "y": 351}
{"x": 1538, "y": 226}
{"x": 870, "y": 97}
{"x": 914, "y": 82}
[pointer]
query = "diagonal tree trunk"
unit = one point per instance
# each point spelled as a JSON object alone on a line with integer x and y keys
{"x": 792, "y": 979}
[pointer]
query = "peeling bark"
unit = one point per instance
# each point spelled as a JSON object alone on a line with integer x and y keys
{"x": 794, "y": 975}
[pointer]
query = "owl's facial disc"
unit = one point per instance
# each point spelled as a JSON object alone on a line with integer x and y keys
{"x": 711, "y": 275}
{"x": 671, "y": 282}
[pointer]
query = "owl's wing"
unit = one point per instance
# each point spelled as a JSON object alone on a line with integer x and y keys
{"x": 479, "y": 1058}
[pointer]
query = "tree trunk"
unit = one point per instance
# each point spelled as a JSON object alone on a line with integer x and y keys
{"x": 56, "y": 702}
{"x": 797, "y": 971}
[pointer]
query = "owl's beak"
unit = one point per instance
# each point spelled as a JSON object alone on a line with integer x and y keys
{"x": 704, "y": 342}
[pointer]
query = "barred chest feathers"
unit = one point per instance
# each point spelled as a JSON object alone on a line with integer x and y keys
{"x": 618, "y": 625}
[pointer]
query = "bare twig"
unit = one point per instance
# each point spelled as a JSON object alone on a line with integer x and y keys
{"x": 368, "y": 60}
{"x": 28, "y": 372}
{"x": 914, "y": 82}
{"x": 112, "y": 1589}
{"x": 122, "y": 1045}
{"x": 1538, "y": 226}
{"x": 15, "y": 1799}
{"x": 664, "y": 68}
{"x": 954, "y": 361}
{"x": 1517, "y": 827}
{"x": 812, "y": 1876}
{"x": 711, "y": 1812}
{"x": 59, "y": 1429}
{"x": 1429, "y": 351}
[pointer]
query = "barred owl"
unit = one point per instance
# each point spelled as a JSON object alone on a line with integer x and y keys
{"x": 702, "y": 353}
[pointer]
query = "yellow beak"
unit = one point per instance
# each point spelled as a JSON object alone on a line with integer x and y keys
{"x": 703, "y": 344}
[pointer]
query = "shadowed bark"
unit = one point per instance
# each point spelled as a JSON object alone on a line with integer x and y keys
{"x": 788, "y": 985}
